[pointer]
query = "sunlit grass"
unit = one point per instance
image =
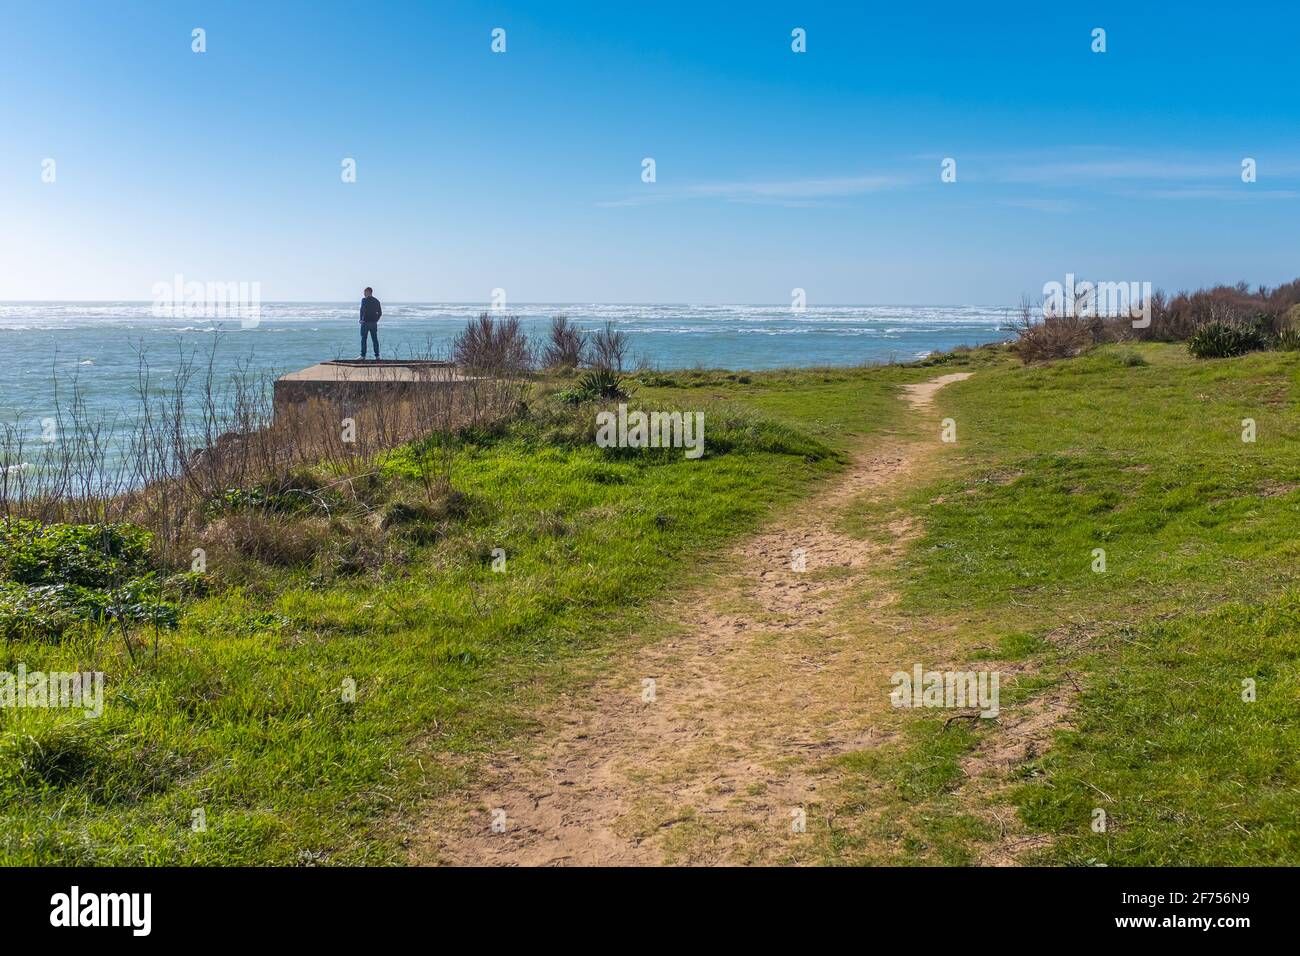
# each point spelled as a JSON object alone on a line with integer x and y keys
{"x": 1146, "y": 462}
{"x": 243, "y": 721}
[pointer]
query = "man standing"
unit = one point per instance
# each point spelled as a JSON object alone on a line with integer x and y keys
{"x": 371, "y": 310}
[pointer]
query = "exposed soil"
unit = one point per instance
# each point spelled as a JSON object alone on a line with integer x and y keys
{"x": 776, "y": 667}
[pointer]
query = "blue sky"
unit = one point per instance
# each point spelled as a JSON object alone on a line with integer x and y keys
{"x": 522, "y": 170}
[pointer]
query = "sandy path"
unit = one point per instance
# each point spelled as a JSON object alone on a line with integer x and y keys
{"x": 769, "y": 677}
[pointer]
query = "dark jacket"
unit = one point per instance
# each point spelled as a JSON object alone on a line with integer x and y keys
{"x": 371, "y": 310}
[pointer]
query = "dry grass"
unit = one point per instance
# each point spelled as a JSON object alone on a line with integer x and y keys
{"x": 277, "y": 540}
{"x": 198, "y": 439}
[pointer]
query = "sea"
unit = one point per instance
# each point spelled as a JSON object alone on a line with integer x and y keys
{"x": 46, "y": 346}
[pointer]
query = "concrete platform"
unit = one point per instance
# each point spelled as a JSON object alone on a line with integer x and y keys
{"x": 376, "y": 370}
{"x": 352, "y": 384}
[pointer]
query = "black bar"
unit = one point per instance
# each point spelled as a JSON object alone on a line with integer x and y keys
{"x": 947, "y": 907}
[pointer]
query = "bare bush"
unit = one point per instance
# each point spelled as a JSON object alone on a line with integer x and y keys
{"x": 1179, "y": 317}
{"x": 1053, "y": 336}
{"x": 67, "y": 472}
{"x": 609, "y": 348}
{"x": 491, "y": 344}
{"x": 567, "y": 345}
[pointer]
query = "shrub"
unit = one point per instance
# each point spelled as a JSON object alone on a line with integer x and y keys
{"x": 48, "y": 611}
{"x": 609, "y": 348}
{"x": 44, "y": 612}
{"x": 1224, "y": 340}
{"x": 567, "y": 345}
{"x": 605, "y": 384}
{"x": 489, "y": 344}
{"x": 58, "y": 577}
{"x": 88, "y": 555}
{"x": 1132, "y": 360}
{"x": 1288, "y": 340}
{"x": 658, "y": 380}
{"x": 1055, "y": 337}
{"x": 287, "y": 500}
{"x": 1178, "y": 318}
{"x": 598, "y": 384}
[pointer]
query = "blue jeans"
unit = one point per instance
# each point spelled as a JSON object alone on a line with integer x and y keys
{"x": 373, "y": 329}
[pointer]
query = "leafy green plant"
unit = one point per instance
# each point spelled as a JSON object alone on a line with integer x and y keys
{"x": 1132, "y": 360}
{"x": 1224, "y": 340}
{"x": 658, "y": 380}
{"x": 596, "y": 385}
{"x": 604, "y": 383}
{"x": 88, "y": 555}
{"x": 288, "y": 501}
{"x": 1288, "y": 340}
{"x": 55, "y": 578}
{"x": 48, "y": 611}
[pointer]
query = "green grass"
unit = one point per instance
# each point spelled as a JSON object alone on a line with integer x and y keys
{"x": 1145, "y": 462}
{"x": 922, "y": 770}
{"x": 243, "y": 713}
{"x": 1187, "y": 771}
{"x": 1134, "y": 449}
{"x": 1144, "y": 459}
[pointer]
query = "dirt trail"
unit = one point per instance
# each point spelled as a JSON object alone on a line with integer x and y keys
{"x": 766, "y": 681}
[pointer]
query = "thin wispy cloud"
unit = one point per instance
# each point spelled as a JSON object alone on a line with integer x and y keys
{"x": 1058, "y": 207}
{"x": 1083, "y": 172}
{"x": 1215, "y": 179}
{"x": 1134, "y": 176}
{"x": 790, "y": 192}
{"x": 1243, "y": 193}
{"x": 1140, "y": 177}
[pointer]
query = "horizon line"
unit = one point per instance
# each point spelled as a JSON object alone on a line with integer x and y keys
{"x": 573, "y": 302}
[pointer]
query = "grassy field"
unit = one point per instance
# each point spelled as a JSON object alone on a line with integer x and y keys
{"x": 244, "y": 711}
{"x": 236, "y": 742}
{"x": 1137, "y": 451}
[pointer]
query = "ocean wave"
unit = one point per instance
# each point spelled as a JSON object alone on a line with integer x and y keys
{"x": 75, "y": 315}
